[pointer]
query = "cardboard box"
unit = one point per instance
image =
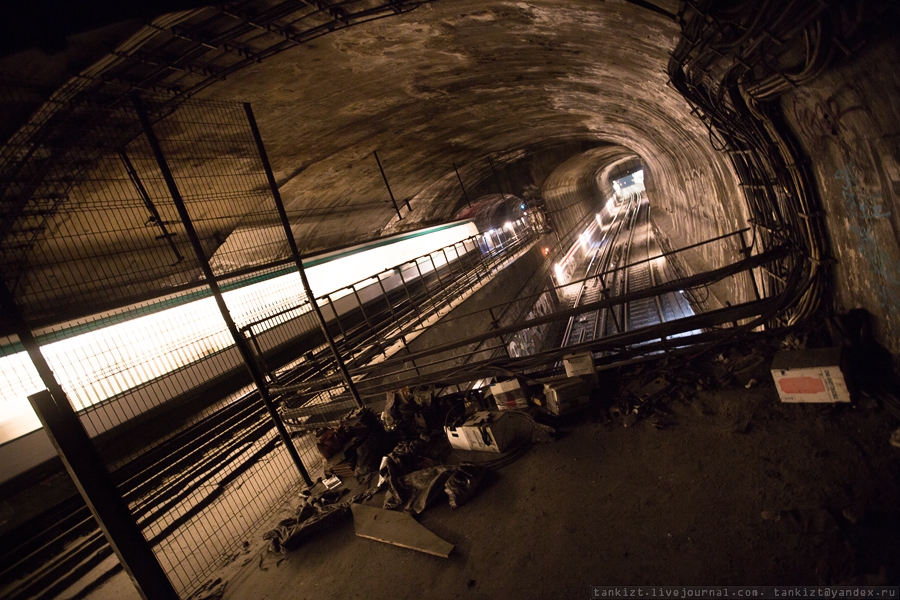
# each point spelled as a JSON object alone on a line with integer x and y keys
{"x": 565, "y": 395}
{"x": 579, "y": 364}
{"x": 510, "y": 394}
{"x": 810, "y": 376}
{"x": 485, "y": 431}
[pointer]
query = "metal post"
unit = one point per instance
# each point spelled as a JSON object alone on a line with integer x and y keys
{"x": 464, "y": 266}
{"x": 373, "y": 333}
{"x": 409, "y": 297}
{"x": 495, "y": 324}
{"x": 440, "y": 281}
{"x": 340, "y": 325}
{"x": 464, "y": 269}
{"x": 396, "y": 320}
{"x": 484, "y": 263}
{"x": 497, "y": 179}
{"x": 388, "y": 185}
{"x": 450, "y": 267}
{"x": 148, "y": 202}
{"x": 745, "y": 252}
{"x": 388, "y": 300}
{"x": 424, "y": 284}
{"x": 465, "y": 194}
{"x": 472, "y": 261}
{"x": 197, "y": 245}
{"x": 86, "y": 469}
{"x": 295, "y": 252}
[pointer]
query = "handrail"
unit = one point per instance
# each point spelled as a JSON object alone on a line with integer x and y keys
{"x": 706, "y": 278}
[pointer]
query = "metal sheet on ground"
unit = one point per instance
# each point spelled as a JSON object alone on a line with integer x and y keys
{"x": 398, "y": 529}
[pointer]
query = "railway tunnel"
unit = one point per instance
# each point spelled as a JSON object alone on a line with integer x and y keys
{"x": 630, "y": 178}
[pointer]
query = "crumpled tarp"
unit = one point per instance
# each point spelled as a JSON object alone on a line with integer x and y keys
{"x": 461, "y": 484}
{"x": 413, "y": 492}
{"x": 289, "y": 533}
{"x": 316, "y": 513}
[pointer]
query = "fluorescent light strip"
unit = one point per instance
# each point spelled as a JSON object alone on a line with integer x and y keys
{"x": 100, "y": 364}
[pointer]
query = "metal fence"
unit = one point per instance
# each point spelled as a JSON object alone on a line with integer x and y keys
{"x": 115, "y": 252}
{"x": 149, "y": 261}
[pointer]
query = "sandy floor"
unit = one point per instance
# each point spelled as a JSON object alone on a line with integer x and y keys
{"x": 739, "y": 489}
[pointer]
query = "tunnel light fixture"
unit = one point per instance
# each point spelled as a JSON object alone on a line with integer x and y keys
{"x": 560, "y": 273}
{"x": 508, "y": 225}
{"x": 585, "y": 239}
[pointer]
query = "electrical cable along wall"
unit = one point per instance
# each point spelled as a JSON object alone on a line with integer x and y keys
{"x": 732, "y": 64}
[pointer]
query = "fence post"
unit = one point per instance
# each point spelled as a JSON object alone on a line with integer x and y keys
{"x": 209, "y": 276}
{"x": 295, "y": 252}
{"x": 85, "y": 467}
{"x": 465, "y": 194}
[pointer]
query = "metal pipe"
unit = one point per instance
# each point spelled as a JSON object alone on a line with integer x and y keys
{"x": 434, "y": 267}
{"x": 745, "y": 251}
{"x": 465, "y": 194}
{"x": 409, "y": 297}
{"x": 362, "y": 309}
{"x": 495, "y": 324}
{"x": 151, "y": 207}
{"x": 496, "y": 178}
{"x": 337, "y": 318}
{"x": 395, "y": 319}
{"x": 388, "y": 185}
{"x": 770, "y": 255}
{"x": 643, "y": 336}
{"x": 197, "y": 245}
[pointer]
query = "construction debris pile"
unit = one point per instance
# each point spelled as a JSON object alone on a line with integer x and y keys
{"x": 830, "y": 361}
{"x": 408, "y": 454}
{"x": 424, "y": 447}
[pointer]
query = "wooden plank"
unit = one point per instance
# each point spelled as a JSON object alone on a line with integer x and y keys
{"x": 398, "y": 529}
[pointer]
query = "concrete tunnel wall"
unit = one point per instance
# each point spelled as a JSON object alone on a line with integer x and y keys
{"x": 848, "y": 123}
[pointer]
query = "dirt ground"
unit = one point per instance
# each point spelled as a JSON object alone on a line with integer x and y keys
{"x": 737, "y": 489}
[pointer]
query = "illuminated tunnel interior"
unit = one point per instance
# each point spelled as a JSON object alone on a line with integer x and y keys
{"x": 225, "y": 227}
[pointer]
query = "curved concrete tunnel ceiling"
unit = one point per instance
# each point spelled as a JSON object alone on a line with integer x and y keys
{"x": 555, "y": 93}
{"x": 457, "y": 82}
{"x": 581, "y": 185}
{"x": 454, "y": 82}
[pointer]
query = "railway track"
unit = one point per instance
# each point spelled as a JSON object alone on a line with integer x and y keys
{"x": 622, "y": 262}
{"x": 169, "y": 482}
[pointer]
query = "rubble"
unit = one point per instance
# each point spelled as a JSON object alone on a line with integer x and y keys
{"x": 427, "y": 448}
{"x": 401, "y": 445}
{"x": 461, "y": 484}
{"x": 290, "y": 533}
